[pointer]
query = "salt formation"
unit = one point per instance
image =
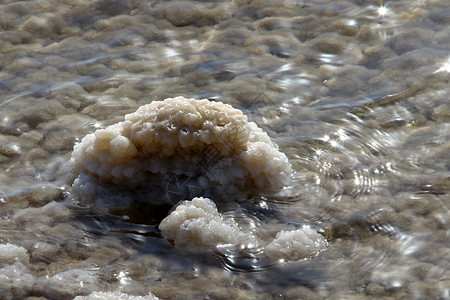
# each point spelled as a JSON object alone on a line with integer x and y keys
{"x": 15, "y": 278}
{"x": 10, "y": 253}
{"x": 207, "y": 144}
{"x": 201, "y": 139}
{"x": 296, "y": 244}
{"x": 197, "y": 225}
{"x": 114, "y": 296}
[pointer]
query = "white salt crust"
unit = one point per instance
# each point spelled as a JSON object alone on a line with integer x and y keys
{"x": 184, "y": 137}
{"x": 15, "y": 277}
{"x": 114, "y": 296}
{"x": 197, "y": 225}
{"x": 10, "y": 253}
{"x": 209, "y": 141}
{"x": 296, "y": 244}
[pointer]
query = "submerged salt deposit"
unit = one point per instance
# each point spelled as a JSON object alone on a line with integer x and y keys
{"x": 197, "y": 225}
{"x": 213, "y": 145}
{"x": 355, "y": 93}
{"x": 114, "y": 296}
{"x": 305, "y": 242}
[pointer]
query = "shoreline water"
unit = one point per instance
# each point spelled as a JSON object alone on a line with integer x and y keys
{"x": 355, "y": 94}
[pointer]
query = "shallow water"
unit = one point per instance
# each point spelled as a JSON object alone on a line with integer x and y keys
{"x": 355, "y": 93}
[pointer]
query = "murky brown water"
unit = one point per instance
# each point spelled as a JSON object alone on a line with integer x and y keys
{"x": 355, "y": 93}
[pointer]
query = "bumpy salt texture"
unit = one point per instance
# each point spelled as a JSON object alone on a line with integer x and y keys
{"x": 16, "y": 279}
{"x": 210, "y": 143}
{"x": 197, "y": 225}
{"x": 296, "y": 244}
{"x": 10, "y": 253}
{"x": 195, "y": 138}
{"x": 114, "y": 296}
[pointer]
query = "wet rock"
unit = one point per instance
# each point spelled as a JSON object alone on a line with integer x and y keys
{"x": 375, "y": 55}
{"x": 39, "y": 74}
{"x": 10, "y": 150}
{"x": 186, "y": 13}
{"x": 128, "y": 90}
{"x": 45, "y": 194}
{"x": 248, "y": 90}
{"x": 9, "y": 38}
{"x": 233, "y": 36}
{"x": 107, "y": 106}
{"x": 116, "y": 23}
{"x": 440, "y": 14}
{"x": 273, "y": 23}
{"x": 328, "y": 43}
{"x": 182, "y": 14}
{"x": 27, "y": 8}
{"x": 7, "y": 20}
{"x": 367, "y": 34}
{"x": 43, "y": 251}
{"x": 442, "y": 112}
{"x": 47, "y": 215}
{"x": 66, "y": 284}
{"x": 348, "y": 80}
{"x": 41, "y": 25}
{"x": 375, "y": 289}
{"x": 275, "y": 45}
{"x": 64, "y": 232}
{"x": 301, "y": 292}
{"x": 60, "y": 135}
{"x": 409, "y": 61}
{"x": 21, "y": 64}
{"x": 34, "y": 112}
{"x": 75, "y": 250}
{"x": 112, "y": 7}
{"x": 345, "y": 27}
{"x": 94, "y": 73}
{"x": 256, "y": 10}
{"x": 307, "y": 27}
{"x": 3, "y": 158}
{"x": 411, "y": 40}
{"x": 200, "y": 76}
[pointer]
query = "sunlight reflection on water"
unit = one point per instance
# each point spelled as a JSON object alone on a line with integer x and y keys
{"x": 355, "y": 94}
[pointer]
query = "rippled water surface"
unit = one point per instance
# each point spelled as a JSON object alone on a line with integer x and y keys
{"x": 356, "y": 93}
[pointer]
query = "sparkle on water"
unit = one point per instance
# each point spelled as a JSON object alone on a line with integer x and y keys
{"x": 342, "y": 87}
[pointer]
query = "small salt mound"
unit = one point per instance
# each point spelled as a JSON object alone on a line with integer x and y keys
{"x": 197, "y": 225}
{"x": 69, "y": 283}
{"x": 188, "y": 137}
{"x": 296, "y": 244}
{"x": 16, "y": 279}
{"x": 10, "y": 253}
{"x": 48, "y": 214}
{"x": 208, "y": 145}
{"x": 114, "y": 296}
